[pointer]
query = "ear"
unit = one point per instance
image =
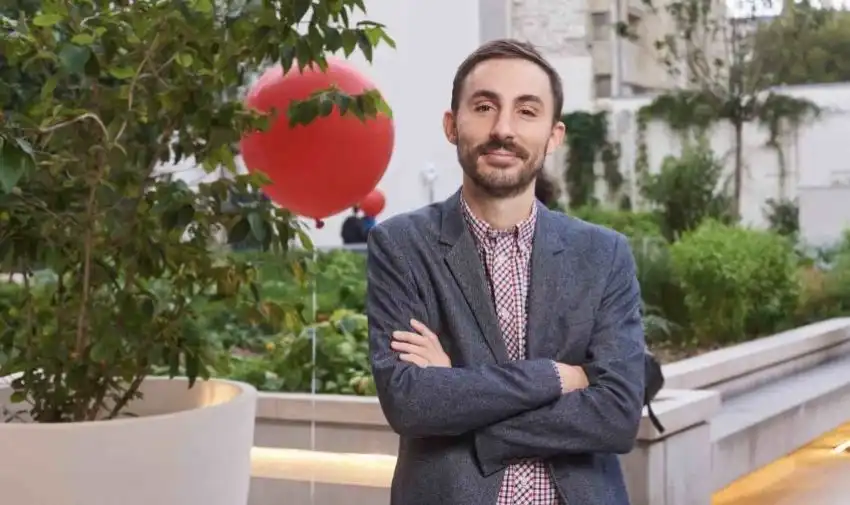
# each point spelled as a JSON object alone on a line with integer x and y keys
{"x": 450, "y": 127}
{"x": 556, "y": 138}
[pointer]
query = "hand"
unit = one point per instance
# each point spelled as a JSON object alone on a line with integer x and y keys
{"x": 423, "y": 348}
{"x": 572, "y": 377}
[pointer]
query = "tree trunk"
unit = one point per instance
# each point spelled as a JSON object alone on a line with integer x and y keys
{"x": 739, "y": 168}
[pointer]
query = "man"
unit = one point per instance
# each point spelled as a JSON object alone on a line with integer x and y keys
{"x": 353, "y": 230}
{"x": 506, "y": 339}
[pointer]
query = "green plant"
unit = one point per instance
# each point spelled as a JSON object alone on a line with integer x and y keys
{"x": 715, "y": 53}
{"x": 783, "y": 216}
{"x": 95, "y": 95}
{"x": 341, "y": 364}
{"x": 587, "y": 143}
{"x": 688, "y": 190}
{"x": 631, "y": 224}
{"x": 738, "y": 282}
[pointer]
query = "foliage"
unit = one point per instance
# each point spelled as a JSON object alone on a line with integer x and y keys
{"x": 95, "y": 95}
{"x": 737, "y": 281}
{"x": 631, "y": 224}
{"x": 337, "y": 277}
{"x": 341, "y": 364}
{"x": 713, "y": 51}
{"x": 587, "y": 142}
{"x": 279, "y": 359}
{"x": 688, "y": 190}
{"x": 819, "y": 48}
{"x": 826, "y": 284}
{"x": 783, "y": 216}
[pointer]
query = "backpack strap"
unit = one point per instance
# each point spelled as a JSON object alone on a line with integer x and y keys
{"x": 652, "y": 417}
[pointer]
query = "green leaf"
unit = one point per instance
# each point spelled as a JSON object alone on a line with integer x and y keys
{"x": 239, "y": 232}
{"x": 185, "y": 60}
{"x": 122, "y": 72}
{"x": 300, "y": 9}
{"x": 74, "y": 58}
{"x": 304, "y": 238}
{"x": 383, "y": 107}
{"x": 287, "y": 56}
{"x": 47, "y": 19}
{"x": 326, "y": 106}
{"x": 15, "y": 161}
{"x": 365, "y": 45}
{"x": 349, "y": 42}
{"x": 258, "y": 228}
{"x": 48, "y": 88}
{"x": 202, "y": 6}
{"x": 83, "y": 39}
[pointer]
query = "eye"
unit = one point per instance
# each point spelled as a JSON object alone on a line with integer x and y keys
{"x": 483, "y": 107}
{"x": 525, "y": 111}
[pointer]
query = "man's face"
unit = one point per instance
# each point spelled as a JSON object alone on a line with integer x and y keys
{"x": 503, "y": 127}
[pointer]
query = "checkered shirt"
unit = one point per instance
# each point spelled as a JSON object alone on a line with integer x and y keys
{"x": 507, "y": 261}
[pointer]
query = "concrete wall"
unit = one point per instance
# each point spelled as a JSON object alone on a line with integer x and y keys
{"x": 816, "y": 156}
{"x": 726, "y": 414}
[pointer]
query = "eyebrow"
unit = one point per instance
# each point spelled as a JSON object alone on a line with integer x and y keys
{"x": 492, "y": 95}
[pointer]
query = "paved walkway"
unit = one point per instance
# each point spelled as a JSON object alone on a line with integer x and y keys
{"x": 814, "y": 475}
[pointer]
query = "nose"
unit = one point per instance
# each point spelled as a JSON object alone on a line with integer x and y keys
{"x": 503, "y": 127}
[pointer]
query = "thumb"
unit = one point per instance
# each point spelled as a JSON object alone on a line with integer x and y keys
{"x": 422, "y": 329}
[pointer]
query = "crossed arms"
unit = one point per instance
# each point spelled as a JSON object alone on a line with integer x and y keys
{"x": 516, "y": 410}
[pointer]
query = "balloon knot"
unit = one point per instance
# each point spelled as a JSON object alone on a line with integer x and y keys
{"x": 320, "y": 224}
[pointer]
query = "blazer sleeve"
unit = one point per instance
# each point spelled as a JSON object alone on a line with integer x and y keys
{"x": 422, "y": 402}
{"x": 605, "y": 416}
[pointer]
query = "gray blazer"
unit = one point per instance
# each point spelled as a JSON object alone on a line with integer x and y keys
{"x": 460, "y": 427}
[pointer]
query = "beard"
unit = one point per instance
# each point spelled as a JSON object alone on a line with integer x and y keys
{"x": 498, "y": 183}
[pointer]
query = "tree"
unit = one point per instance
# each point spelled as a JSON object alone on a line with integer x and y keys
{"x": 714, "y": 53}
{"x": 806, "y": 45}
{"x": 94, "y": 95}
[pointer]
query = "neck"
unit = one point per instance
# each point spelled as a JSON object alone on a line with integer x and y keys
{"x": 500, "y": 213}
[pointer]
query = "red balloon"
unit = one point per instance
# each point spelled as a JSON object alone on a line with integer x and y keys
{"x": 329, "y": 165}
{"x": 374, "y": 203}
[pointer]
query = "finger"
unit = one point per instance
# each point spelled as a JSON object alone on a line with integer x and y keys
{"x": 408, "y": 348}
{"x": 422, "y": 329}
{"x": 416, "y": 360}
{"x": 413, "y": 338}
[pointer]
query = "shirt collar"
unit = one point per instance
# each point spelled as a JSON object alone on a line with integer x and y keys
{"x": 481, "y": 230}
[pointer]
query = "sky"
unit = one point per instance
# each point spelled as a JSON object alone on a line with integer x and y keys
{"x": 745, "y": 8}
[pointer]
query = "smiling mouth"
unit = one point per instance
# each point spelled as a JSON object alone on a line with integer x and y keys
{"x": 501, "y": 153}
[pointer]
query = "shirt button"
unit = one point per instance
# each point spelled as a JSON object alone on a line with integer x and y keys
{"x": 501, "y": 259}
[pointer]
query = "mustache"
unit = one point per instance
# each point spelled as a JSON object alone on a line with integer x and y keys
{"x": 499, "y": 144}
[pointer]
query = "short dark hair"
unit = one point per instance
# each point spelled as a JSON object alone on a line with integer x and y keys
{"x": 509, "y": 49}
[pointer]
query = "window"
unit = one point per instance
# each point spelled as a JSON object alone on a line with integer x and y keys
{"x": 601, "y": 25}
{"x": 602, "y": 84}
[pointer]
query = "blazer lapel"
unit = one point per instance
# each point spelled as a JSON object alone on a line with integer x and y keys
{"x": 552, "y": 272}
{"x": 466, "y": 266}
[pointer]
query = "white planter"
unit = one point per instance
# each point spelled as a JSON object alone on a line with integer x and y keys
{"x": 189, "y": 447}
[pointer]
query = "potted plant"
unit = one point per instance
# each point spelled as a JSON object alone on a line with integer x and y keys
{"x": 112, "y": 258}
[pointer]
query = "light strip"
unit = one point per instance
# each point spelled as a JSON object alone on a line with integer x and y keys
{"x": 370, "y": 470}
{"x": 842, "y": 447}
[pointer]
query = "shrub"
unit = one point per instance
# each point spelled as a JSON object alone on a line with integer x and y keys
{"x": 662, "y": 295}
{"x": 688, "y": 190}
{"x": 738, "y": 282}
{"x": 341, "y": 364}
{"x": 631, "y": 224}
